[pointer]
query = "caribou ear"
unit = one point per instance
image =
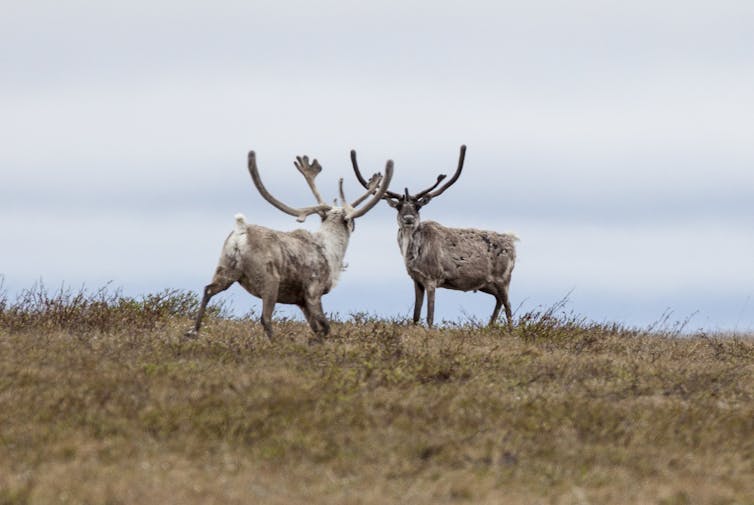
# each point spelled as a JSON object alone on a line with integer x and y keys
{"x": 424, "y": 200}
{"x": 393, "y": 203}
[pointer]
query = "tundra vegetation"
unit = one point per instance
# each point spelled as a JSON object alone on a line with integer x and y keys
{"x": 103, "y": 401}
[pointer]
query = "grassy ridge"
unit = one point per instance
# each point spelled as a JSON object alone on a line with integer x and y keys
{"x": 103, "y": 401}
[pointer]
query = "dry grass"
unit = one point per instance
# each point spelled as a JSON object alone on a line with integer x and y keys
{"x": 102, "y": 401}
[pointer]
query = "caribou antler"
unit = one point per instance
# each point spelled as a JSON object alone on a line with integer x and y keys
{"x": 453, "y": 179}
{"x": 427, "y": 193}
{"x": 308, "y": 171}
{"x": 363, "y": 181}
{"x": 372, "y": 185}
{"x": 420, "y": 194}
{"x": 375, "y": 182}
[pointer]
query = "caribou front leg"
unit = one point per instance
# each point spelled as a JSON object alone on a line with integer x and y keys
{"x": 418, "y": 301}
{"x": 430, "y": 305}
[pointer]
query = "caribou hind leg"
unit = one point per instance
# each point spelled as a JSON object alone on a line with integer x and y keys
{"x": 502, "y": 299}
{"x": 507, "y": 304}
{"x": 500, "y": 292}
{"x": 269, "y": 298}
{"x": 496, "y": 311}
{"x": 221, "y": 281}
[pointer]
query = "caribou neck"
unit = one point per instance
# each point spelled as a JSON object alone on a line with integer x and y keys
{"x": 409, "y": 240}
{"x": 333, "y": 237}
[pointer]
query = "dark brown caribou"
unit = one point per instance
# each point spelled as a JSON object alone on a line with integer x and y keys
{"x": 436, "y": 256}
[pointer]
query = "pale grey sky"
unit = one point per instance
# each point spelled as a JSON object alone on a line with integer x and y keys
{"x": 614, "y": 137}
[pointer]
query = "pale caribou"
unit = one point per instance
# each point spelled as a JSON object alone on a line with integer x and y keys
{"x": 435, "y": 256}
{"x": 296, "y": 267}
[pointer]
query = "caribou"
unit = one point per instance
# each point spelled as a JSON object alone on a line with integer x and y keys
{"x": 436, "y": 256}
{"x": 296, "y": 267}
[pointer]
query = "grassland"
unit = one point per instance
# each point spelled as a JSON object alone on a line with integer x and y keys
{"x": 102, "y": 401}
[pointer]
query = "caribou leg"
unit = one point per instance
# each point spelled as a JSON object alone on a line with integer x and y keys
{"x": 269, "y": 298}
{"x": 418, "y": 301}
{"x": 430, "y": 305}
{"x": 221, "y": 281}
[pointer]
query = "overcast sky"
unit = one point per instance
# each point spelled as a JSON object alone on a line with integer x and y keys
{"x": 615, "y": 138}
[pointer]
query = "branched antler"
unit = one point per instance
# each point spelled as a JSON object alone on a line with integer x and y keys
{"x": 377, "y": 186}
{"x": 362, "y": 181}
{"x": 310, "y": 171}
{"x": 456, "y": 175}
{"x": 428, "y": 193}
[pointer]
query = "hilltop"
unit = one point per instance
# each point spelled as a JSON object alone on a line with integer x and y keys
{"x": 102, "y": 400}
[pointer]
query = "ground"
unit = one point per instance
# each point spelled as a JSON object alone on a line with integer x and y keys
{"x": 109, "y": 404}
